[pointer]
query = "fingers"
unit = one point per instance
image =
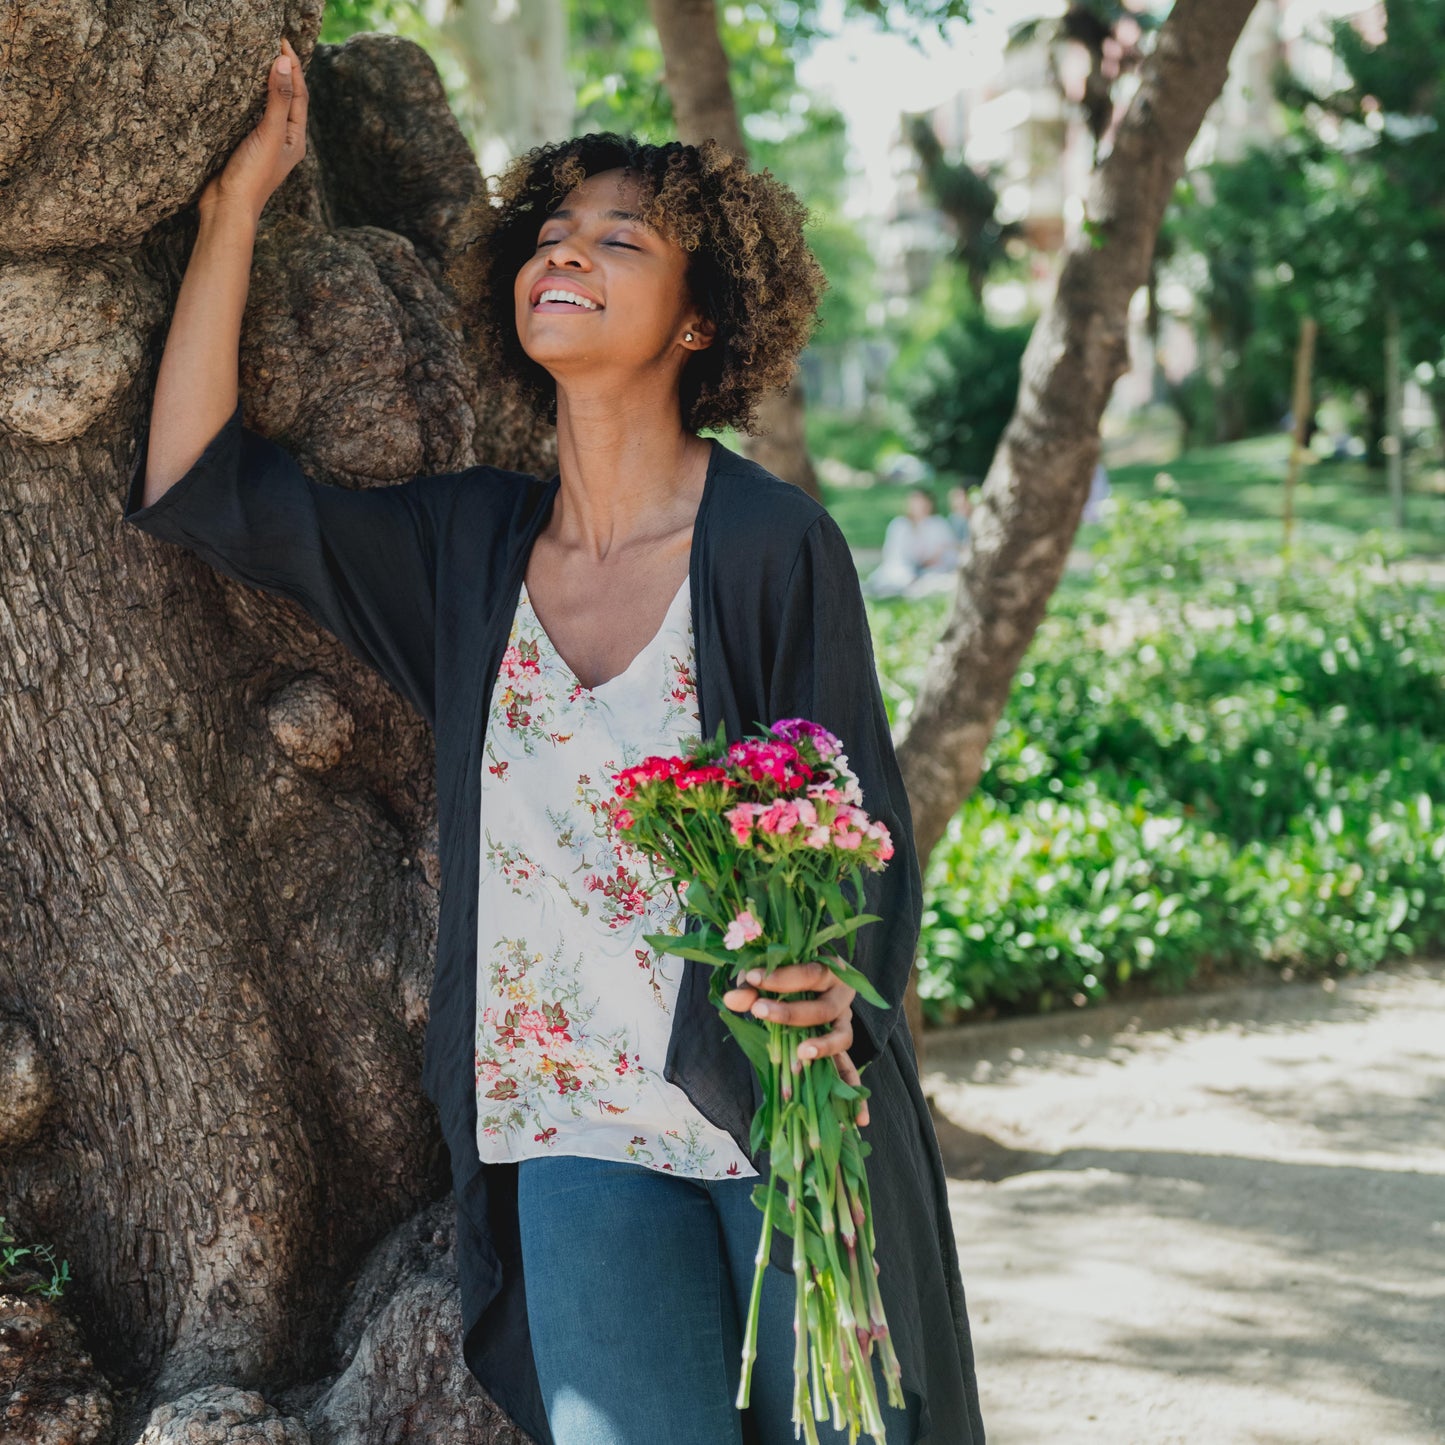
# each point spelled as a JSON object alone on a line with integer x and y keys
{"x": 834, "y": 997}
{"x": 795, "y": 977}
{"x": 300, "y": 94}
{"x": 819, "y": 1046}
{"x": 286, "y": 104}
{"x": 740, "y": 1000}
{"x": 804, "y": 1013}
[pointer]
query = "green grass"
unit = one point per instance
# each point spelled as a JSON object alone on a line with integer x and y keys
{"x": 1234, "y": 496}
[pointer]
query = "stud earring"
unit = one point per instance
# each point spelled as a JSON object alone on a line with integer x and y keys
{"x": 687, "y": 335}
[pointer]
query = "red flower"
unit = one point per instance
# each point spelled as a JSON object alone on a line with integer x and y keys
{"x": 650, "y": 770}
{"x": 708, "y": 773}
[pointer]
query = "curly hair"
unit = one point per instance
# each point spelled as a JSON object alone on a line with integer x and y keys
{"x": 749, "y": 269}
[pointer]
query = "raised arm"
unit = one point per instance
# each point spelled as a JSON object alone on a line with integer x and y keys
{"x": 362, "y": 563}
{"x": 196, "y": 386}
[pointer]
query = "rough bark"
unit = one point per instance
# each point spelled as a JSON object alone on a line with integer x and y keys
{"x": 50, "y": 1390}
{"x": 218, "y": 861}
{"x": 696, "y": 75}
{"x": 1036, "y": 488}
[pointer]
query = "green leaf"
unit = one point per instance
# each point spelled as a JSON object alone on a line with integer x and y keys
{"x": 830, "y": 1129}
{"x": 752, "y": 1038}
{"x": 837, "y": 905}
{"x": 673, "y": 943}
{"x": 793, "y": 931}
{"x": 849, "y": 925}
{"x": 856, "y": 980}
{"x": 757, "y": 1136}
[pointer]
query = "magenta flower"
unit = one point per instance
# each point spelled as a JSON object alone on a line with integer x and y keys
{"x": 793, "y": 729}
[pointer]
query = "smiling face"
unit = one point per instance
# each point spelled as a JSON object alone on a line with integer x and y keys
{"x": 605, "y": 291}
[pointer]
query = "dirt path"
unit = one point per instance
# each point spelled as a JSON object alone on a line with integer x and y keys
{"x": 1218, "y": 1220}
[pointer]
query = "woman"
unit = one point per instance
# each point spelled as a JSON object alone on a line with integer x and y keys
{"x": 658, "y": 585}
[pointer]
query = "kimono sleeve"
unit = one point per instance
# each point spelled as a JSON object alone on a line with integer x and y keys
{"x": 361, "y": 563}
{"x": 824, "y": 670}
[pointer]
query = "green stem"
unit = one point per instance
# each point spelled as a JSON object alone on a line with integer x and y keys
{"x": 760, "y": 1264}
{"x": 802, "y": 1415}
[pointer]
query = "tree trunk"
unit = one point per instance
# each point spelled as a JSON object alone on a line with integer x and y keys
{"x": 696, "y": 76}
{"x": 1039, "y": 481}
{"x": 218, "y": 863}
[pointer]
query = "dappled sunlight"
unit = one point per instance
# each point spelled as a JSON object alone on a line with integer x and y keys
{"x": 1208, "y": 1218}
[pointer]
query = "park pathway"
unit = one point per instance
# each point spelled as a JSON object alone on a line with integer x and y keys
{"x": 1217, "y": 1219}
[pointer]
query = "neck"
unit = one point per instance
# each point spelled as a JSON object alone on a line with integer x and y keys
{"x": 628, "y": 478}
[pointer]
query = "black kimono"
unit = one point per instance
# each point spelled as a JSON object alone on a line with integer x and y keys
{"x": 420, "y": 580}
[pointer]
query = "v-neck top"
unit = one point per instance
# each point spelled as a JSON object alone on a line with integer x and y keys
{"x": 574, "y": 1010}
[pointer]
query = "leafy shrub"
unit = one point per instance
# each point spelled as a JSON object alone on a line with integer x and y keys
{"x": 962, "y": 394}
{"x": 1235, "y": 779}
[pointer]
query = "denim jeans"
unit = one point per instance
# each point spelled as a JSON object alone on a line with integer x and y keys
{"x": 638, "y": 1284}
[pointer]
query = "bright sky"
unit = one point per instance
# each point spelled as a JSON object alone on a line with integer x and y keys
{"x": 873, "y": 77}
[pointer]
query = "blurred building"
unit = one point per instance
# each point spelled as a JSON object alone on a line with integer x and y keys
{"x": 1025, "y": 126}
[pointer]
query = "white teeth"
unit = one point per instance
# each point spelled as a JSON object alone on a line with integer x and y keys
{"x": 571, "y": 296}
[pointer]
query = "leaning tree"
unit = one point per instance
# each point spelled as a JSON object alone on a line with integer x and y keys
{"x": 218, "y": 853}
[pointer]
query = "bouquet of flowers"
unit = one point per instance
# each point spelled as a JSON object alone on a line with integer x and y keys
{"x": 760, "y": 839}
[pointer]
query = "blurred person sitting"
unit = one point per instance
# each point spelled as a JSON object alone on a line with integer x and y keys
{"x": 960, "y": 512}
{"x": 920, "y": 551}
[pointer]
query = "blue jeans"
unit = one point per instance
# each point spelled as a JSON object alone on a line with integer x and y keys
{"x": 638, "y": 1284}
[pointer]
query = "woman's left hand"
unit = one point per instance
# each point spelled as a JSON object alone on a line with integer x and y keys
{"x": 833, "y": 1004}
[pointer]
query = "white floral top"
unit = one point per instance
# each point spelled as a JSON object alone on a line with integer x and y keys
{"x": 574, "y": 1010}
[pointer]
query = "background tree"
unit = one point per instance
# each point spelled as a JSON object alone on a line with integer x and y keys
{"x": 969, "y": 202}
{"x": 1340, "y": 219}
{"x": 1036, "y": 488}
{"x": 218, "y": 860}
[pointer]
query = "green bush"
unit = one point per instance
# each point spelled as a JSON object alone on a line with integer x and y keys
{"x": 962, "y": 393}
{"x": 1237, "y": 777}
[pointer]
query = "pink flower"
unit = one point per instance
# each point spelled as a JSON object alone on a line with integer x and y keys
{"x": 743, "y": 929}
{"x": 779, "y": 817}
{"x": 818, "y": 837}
{"x": 740, "y": 820}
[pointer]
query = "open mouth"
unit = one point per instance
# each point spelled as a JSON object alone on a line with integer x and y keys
{"x": 560, "y": 299}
